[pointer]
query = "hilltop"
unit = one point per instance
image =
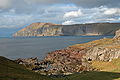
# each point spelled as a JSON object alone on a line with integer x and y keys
{"x": 49, "y": 29}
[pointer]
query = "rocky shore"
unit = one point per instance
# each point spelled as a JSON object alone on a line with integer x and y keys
{"x": 76, "y": 58}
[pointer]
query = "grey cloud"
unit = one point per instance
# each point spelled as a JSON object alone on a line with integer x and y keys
{"x": 38, "y": 6}
{"x": 97, "y": 3}
{"x": 5, "y": 3}
{"x": 28, "y": 4}
{"x": 22, "y": 12}
{"x": 10, "y": 21}
{"x": 51, "y": 14}
{"x": 82, "y": 3}
{"x": 45, "y": 1}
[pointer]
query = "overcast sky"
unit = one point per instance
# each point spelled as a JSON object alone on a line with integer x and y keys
{"x": 17, "y": 13}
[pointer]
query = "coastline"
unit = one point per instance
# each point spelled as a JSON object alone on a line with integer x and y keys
{"x": 77, "y": 58}
{"x": 95, "y": 58}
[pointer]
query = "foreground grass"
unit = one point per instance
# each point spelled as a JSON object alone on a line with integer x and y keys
{"x": 9, "y": 70}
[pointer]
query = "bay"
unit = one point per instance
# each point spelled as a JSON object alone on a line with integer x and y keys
{"x": 14, "y": 48}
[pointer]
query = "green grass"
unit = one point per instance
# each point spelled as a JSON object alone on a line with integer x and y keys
{"x": 9, "y": 70}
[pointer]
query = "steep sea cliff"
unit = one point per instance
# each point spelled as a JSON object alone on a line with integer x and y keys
{"x": 49, "y": 29}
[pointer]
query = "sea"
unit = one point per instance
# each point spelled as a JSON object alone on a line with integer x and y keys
{"x": 24, "y": 47}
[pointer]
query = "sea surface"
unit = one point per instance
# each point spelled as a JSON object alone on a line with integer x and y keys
{"x": 14, "y": 48}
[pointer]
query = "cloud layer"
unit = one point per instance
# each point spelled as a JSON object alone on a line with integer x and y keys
{"x": 94, "y": 15}
{"x": 16, "y": 13}
{"x": 5, "y": 3}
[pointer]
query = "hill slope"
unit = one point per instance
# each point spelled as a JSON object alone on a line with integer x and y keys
{"x": 9, "y": 70}
{"x": 49, "y": 29}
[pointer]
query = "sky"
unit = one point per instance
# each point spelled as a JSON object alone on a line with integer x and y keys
{"x": 18, "y": 13}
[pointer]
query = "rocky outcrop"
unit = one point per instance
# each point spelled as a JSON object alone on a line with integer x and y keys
{"x": 29, "y": 63}
{"x": 103, "y": 50}
{"x": 49, "y": 29}
{"x": 67, "y": 61}
{"x": 117, "y": 36}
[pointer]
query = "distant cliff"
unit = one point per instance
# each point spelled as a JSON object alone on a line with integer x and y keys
{"x": 49, "y": 29}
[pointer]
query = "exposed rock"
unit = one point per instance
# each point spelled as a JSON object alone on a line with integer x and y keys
{"x": 103, "y": 49}
{"x": 59, "y": 62}
{"x": 30, "y": 63}
{"x": 103, "y": 53}
{"x": 49, "y": 29}
{"x": 67, "y": 61}
{"x": 117, "y": 36}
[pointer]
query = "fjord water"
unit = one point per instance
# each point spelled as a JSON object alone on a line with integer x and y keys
{"x": 14, "y": 48}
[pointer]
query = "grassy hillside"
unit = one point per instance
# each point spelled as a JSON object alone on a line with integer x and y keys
{"x": 9, "y": 70}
